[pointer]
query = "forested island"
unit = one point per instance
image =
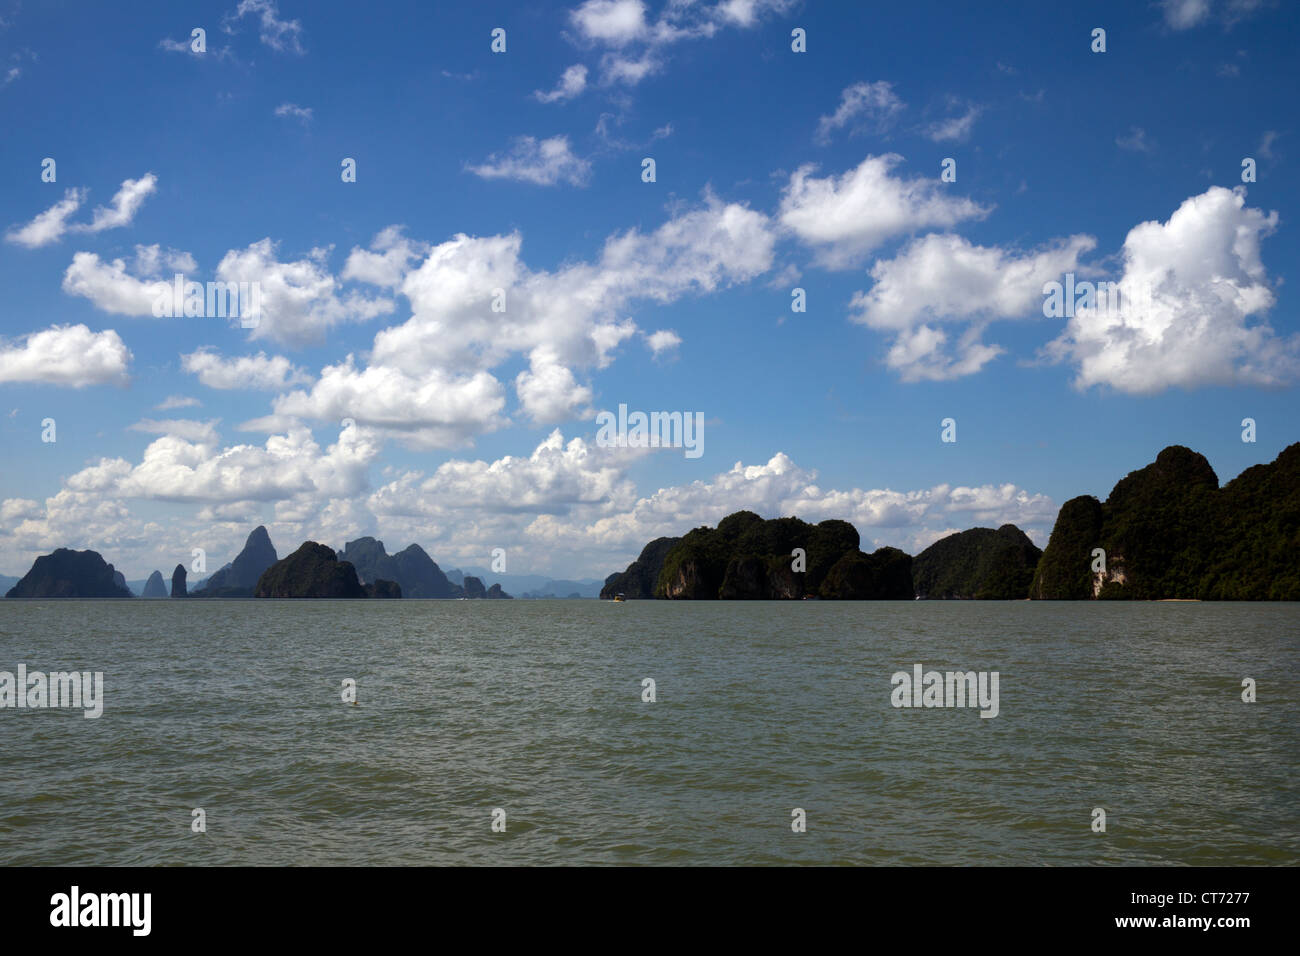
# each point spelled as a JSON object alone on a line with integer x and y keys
{"x": 1166, "y": 532}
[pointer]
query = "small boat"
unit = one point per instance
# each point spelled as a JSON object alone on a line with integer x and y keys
{"x": 618, "y": 598}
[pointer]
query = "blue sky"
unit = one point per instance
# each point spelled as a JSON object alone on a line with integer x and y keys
{"x": 522, "y": 171}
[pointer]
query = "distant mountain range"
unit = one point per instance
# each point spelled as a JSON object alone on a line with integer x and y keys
{"x": 362, "y": 569}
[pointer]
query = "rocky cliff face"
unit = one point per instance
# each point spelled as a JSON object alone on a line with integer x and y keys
{"x": 1169, "y": 531}
{"x": 155, "y": 587}
{"x": 178, "y": 582}
{"x": 642, "y": 575}
{"x": 313, "y": 571}
{"x": 70, "y": 574}
{"x": 412, "y": 568}
{"x": 979, "y": 564}
{"x": 382, "y": 589}
{"x": 240, "y": 577}
{"x": 1064, "y": 571}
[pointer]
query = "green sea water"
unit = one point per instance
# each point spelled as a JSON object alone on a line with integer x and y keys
{"x": 535, "y": 707}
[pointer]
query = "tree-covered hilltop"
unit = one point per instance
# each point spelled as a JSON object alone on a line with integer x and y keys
{"x": 979, "y": 564}
{"x": 155, "y": 587}
{"x": 1064, "y": 571}
{"x": 313, "y": 571}
{"x": 748, "y": 558}
{"x": 1169, "y": 531}
{"x": 70, "y": 574}
{"x": 642, "y": 575}
{"x": 1257, "y": 548}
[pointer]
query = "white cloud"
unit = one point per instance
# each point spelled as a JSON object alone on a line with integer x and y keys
{"x": 846, "y": 217}
{"x": 864, "y": 108}
{"x": 549, "y": 392}
{"x": 284, "y": 36}
{"x": 198, "y": 469}
{"x": 628, "y": 70}
{"x": 943, "y": 278}
{"x": 428, "y": 380}
{"x": 301, "y": 300}
{"x": 387, "y": 261}
{"x": 68, "y": 355}
{"x": 572, "y": 82}
{"x": 663, "y": 341}
{"x": 260, "y": 371}
{"x": 955, "y": 129}
{"x": 542, "y": 162}
{"x": 616, "y": 22}
{"x": 110, "y": 286}
{"x": 177, "y": 401}
{"x": 50, "y": 225}
{"x": 1191, "y": 287}
{"x": 635, "y": 45}
{"x": 429, "y": 408}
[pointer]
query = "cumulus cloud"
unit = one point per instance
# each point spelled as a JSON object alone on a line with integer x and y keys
{"x": 616, "y": 22}
{"x": 635, "y": 43}
{"x": 864, "y": 108}
{"x": 541, "y": 162}
{"x": 68, "y": 355}
{"x": 475, "y": 304}
{"x": 301, "y": 299}
{"x": 1191, "y": 300}
{"x": 387, "y": 260}
{"x": 549, "y": 392}
{"x": 429, "y": 408}
{"x": 260, "y": 371}
{"x": 195, "y": 468}
{"x": 111, "y": 286}
{"x": 846, "y": 217}
{"x": 944, "y": 278}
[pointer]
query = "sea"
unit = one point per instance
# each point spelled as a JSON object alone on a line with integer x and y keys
{"x": 583, "y": 732}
